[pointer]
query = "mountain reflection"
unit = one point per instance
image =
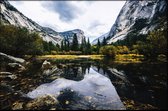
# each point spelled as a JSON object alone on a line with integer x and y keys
{"x": 83, "y": 88}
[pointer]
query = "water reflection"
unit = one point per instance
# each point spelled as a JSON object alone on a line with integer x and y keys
{"x": 94, "y": 91}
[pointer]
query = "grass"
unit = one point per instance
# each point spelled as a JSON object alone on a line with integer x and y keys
{"x": 124, "y": 58}
{"x": 94, "y": 57}
{"x": 129, "y": 58}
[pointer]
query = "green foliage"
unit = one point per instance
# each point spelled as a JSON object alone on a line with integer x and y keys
{"x": 139, "y": 24}
{"x": 104, "y": 42}
{"x": 19, "y": 41}
{"x": 83, "y": 47}
{"x": 108, "y": 50}
{"x": 155, "y": 45}
{"x": 88, "y": 46}
{"x": 98, "y": 46}
{"x": 122, "y": 50}
{"x": 75, "y": 45}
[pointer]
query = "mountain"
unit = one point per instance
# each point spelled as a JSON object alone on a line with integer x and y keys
{"x": 10, "y": 15}
{"x": 94, "y": 42}
{"x": 68, "y": 35}
{"x": 138, "y": 17}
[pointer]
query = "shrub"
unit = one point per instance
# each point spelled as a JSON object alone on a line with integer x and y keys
{"x": 108, "y": 50}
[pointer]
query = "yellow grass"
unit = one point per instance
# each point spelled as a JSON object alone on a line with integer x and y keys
{"x": 124, "y": 58}
{"x": 127, "y": 58}
{"x": 70, "y": 56}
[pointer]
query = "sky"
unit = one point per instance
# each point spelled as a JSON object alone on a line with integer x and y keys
{"x": 93, "y": 17}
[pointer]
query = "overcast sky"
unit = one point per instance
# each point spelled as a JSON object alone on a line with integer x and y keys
{"x": 93, "y": 17}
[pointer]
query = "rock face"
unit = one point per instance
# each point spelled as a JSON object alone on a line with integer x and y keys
{"x": 10, "y": 15}
{"x": 68, "y": 35}
{"x": 140, "y": 16}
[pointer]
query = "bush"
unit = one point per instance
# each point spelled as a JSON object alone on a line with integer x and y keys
{"x": 122, "y": 49}
{"x": 108, "y": 50}
{"x": 19, "y": 41}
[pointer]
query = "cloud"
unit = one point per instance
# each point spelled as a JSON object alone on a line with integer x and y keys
{"x": 95, "y": 24}
{"x": 66, "y": 10}
{"x": 93, "y": 17}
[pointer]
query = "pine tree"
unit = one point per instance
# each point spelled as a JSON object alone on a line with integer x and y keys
{"x": 62, "y": 45}
{"x": 98, "y": 46}
{"x": 81, "y": 46}
{"x": 88, "y": 47}
{"x": 65, "y": 45}
{"x": 104, "y": 42}
{"x": 68, "y": 46}
{"x": 75, "y": 45}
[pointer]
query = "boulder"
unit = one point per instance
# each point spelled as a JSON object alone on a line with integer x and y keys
{"x": 14, "y": 59}
{"x": 5, "y": 73}
{"x": 16, "y": 66}
{"x": 17, "y": 106}
{"x": 42, "y": 103}
{"x": 9, "y": 75}
{"x": 46, "y": 65}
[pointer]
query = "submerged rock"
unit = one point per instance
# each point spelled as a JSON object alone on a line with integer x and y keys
{"x": 43, "y": 102}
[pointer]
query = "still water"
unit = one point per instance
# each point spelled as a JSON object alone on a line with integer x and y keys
{"x": 106, "y": 82}
{"x": 88, "y": 84}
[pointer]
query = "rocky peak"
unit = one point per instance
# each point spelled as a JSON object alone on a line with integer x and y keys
{"x": 140, "y": 15}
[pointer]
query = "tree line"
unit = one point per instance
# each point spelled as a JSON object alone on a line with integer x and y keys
{"x": 150, "y": 45}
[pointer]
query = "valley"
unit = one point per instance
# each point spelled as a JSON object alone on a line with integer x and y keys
{"x": 123, "y": 69}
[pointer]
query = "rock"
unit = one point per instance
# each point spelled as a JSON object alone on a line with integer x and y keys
{"x": 42, "y": 103}
{"x": 6, "y": 88}
{"x": 17, "y": 106}
{"x": 67, "y": 102}
{"x": 88, "y": 98}
{"x": 52, "y": 71}
{"x": 4, "y": 75}
{"x": 14, "y": 59}
{"x": 16, "y": 66}
{"x": 46, "y": 65}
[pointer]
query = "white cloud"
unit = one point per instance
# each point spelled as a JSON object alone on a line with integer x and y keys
{"x": 95, "y": 17}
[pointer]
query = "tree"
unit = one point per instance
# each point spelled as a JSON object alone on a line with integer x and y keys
{"x": 65, "y": 46}
{"x": 19, "y": 41}
{"x": 156, "y": 44}
{"x": 68, "y": 46}
{"x": 62, "y": 45}
{"x": 108, "y": 50}
{"x": 98, "y": 46}
{"x": 104, "y": 42}
{"x": 75, "y": 45}
{"x": 88, "y": 47}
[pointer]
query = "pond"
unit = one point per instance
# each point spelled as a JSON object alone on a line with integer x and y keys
{"x": 87, "y": 84}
